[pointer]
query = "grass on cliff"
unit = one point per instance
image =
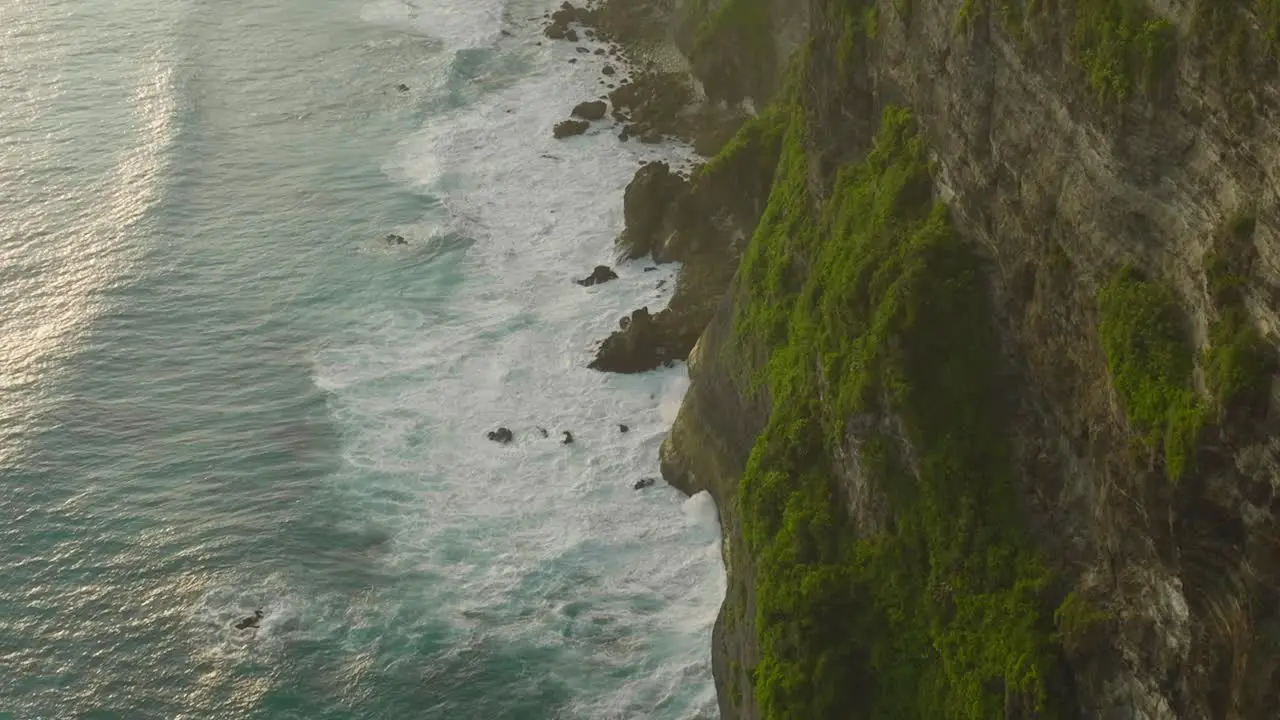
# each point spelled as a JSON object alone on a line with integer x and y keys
{"x": 1151, "y": 359}
{"x": 1239, "y": 362}
{"x": 879, "y": 323}
{"x": 1120, "y": 46}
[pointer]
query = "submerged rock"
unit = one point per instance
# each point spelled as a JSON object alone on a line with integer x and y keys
{"x": 569, "y": 128}
{"x": 568, "y": 437}
{"x": 394, "y": 239}
{"x": 623, "y": 428}
{"x": 591, "y": 110}
{"x": 502, "y": 435}
{"x": 402, "y": 87}
{"x": 643, "y": 483}
{"x": 602, "y": 274}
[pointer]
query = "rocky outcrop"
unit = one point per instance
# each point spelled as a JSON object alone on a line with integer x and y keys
{"x": 1107, "y": 539}
{"x": 590, "y": 110}
{"x": 601, "y": 274}
{"x": 569, "y": 128}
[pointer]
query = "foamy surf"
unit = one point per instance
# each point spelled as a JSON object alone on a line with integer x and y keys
{"x": 536, "y": 544}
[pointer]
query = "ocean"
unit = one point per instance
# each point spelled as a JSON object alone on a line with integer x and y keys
{"x": 222, "y": 389}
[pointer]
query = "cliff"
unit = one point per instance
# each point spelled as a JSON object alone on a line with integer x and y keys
{"x": 984, "y": 299}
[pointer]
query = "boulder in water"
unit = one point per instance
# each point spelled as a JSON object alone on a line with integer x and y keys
{"x": 643, "y": 483}
{"x": 592, "y": 110}
{"x": 394, "y": 239}
{"x": 568, "y": 437}
{"x": 250, "y": 621}
{"x": 502, "y": 435}
{"x": 602, "y": 274}
{"x": 569, "y": 128}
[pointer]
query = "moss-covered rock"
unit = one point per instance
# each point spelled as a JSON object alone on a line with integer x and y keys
{"x": 1152, "y": 360}
{"x": 875, "y": 307}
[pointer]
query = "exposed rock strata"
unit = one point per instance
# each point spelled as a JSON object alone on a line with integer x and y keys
{"x": 1058, "y": 178}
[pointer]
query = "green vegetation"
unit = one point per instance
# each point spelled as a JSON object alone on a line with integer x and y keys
{"x": 1150, "y": 355}
{"x": 753, "y": 149}
{"x": 1121, "y": 46}
{"x": 1076, "y": 619}
{"x": 1239, "y": 362}
{"x": 875, "y": 308}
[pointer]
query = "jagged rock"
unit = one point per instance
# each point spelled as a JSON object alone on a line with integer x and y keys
{"x": 591, "y": 110}
{"x": 639, "y": 347}
{"x": 602, "y": 274}
{"x": 402, "y": 87}
{"x": 644, "y": 207}
{"x": 569, "y": 128}
{"x": 643, "y": 483}
{"x": 567, "y": 437}
{"x": 501, "y": 435}
{"x": 394, "y": 239}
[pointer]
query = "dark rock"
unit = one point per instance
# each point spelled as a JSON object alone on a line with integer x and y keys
{"x": 608, "y": 70}
{"x": 506, "y": 33}
{"x": 624, "y": 134}
{"x": 602, "y": 274}
{"x": 583, "y": 50}
{"x": 568, "y": 437}
{"x": 250, "y": 621}
{"x": 569, "y": 128}
{"x": 573, "y": 60}
{"x": 651, "y": 137}
{"x": 644, "y": 208}
{"x": 634, "y": 349}
{"x": 646, "y": 342}
{"x": 394, "y": 239}
{"x": 571, "y": 35}
{"x": 643, "y": 483}
{"x": 591, "y": 110}
{"x": 402, "y": 87}
{"x": 599, "y": 51}
{"x": 555, "y": 32}
{"x": 650, "y": 268}
{"x": 623, "y": 428}
{"x": 502, "y": 435}
{"x": 542, "y": 430}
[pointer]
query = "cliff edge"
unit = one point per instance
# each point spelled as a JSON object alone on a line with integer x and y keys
{"x": 985, "y": 382}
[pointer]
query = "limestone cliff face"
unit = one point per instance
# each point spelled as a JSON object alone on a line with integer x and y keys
{"x": 1115, "y": 168}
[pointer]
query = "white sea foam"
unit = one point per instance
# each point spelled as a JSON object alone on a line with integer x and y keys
{"x": 536, "y": 542}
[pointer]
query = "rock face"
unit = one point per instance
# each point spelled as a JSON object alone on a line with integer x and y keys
{"x": 644, "y": 206}
{"x": 569, "y": 128}
{"x": 933, "y": 223}
{"x": 602, "y": 274}
{"x": 591, "y": 110}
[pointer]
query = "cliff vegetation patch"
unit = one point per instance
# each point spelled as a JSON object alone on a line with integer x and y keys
{"x": 879, "y": 324}
{"x": 1120, "y": 46}
{"x": 1151, "y": 360}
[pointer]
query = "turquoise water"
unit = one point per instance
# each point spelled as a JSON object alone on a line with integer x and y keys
{"x": 220, "y": 390}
